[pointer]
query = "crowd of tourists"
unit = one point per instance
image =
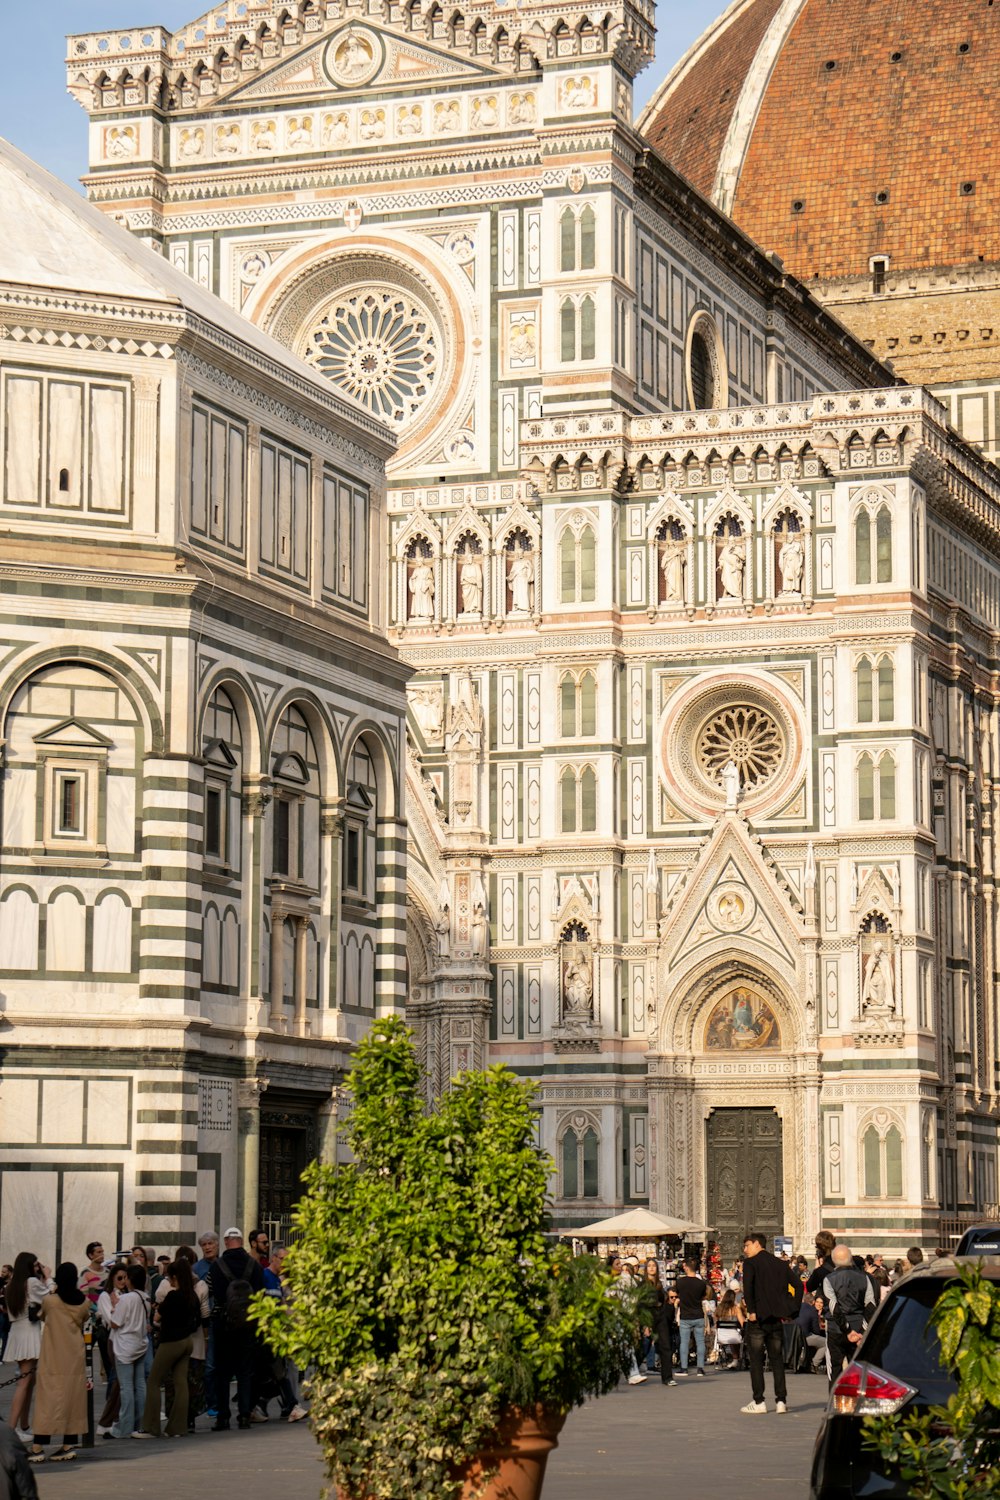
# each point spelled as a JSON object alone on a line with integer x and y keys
{"x": 174, "y": 1335}
{"x": 764, "y": 1309}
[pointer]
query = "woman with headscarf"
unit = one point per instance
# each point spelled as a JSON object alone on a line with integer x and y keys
{"x": 61, "y": 1397}
{"x": 29, "y": 1284}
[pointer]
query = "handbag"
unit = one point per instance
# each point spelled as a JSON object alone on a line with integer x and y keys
{"x": 34, "y": 1312}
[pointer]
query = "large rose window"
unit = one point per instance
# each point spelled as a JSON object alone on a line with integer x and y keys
{"x": 745, "y": 736}
{"x": 381, "y": 346}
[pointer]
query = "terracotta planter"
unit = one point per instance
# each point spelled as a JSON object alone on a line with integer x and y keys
{"x": 522, "y": 1453}
{"x": 526, "y": 1440}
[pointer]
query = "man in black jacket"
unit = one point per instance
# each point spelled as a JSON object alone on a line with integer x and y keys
{"x": 765, "y": 1292}
{"x": 850, "y": 1301}
{"x": 233, "y": 1279}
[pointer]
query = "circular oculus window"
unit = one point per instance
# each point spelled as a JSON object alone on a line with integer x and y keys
{"x": 380, "y": 346}
{"x": 752, "y": 725}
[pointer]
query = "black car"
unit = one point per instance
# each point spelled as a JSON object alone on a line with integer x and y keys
{"x": 897, "y": 1366}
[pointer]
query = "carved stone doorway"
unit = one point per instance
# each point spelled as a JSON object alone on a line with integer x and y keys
{"x": 744, "y": 1176}
{"x": 287, "y": 1145}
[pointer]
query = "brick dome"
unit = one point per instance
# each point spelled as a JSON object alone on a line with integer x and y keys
{"x": 834, "y": 131}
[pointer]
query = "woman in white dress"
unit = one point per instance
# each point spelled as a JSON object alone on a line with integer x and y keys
{"x": 30, "y": 1283}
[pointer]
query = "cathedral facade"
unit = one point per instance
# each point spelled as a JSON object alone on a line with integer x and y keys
{"x": 699, "y": 601}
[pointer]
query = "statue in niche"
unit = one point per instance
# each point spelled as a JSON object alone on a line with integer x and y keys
{"x": 422, "y": 589}
{"x": 442, "y": 932}
{"x": 879, "y": 990}
{"x": 521, "y": 579}
{"x": 578, "y": 984}
{"x": 791, "y": 561}
{"x": 479, "y": 932}
{"x": 673, "y": 566}
{"x": 470, "y": 578}
{"x": 732, "y": 566}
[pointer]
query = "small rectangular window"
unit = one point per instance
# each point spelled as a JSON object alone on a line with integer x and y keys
{"x": 213, "y": 823}
{"x": 352, "y": 860}
{"x": 282, "y": 835}
{"x": 70, "y": 804}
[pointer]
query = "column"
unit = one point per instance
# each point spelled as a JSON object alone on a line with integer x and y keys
{"x": 301, "y": 973}
{"x": 248, "y": 1092}
{"x": 276, "y": 1015}
{"x": 328, "y": 1124}
{"x": 331, "y": 829}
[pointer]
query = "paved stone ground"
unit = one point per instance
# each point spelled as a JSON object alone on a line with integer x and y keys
{"x": 639, "y": 1440}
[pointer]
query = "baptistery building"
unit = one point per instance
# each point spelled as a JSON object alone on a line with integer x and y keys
{"x": 700, "y": 599}
{"x": 201, "y": 744}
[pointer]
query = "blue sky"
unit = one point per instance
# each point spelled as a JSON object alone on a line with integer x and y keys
{"x": 39, "y": 117}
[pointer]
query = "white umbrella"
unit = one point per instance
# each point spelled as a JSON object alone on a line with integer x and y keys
{"x": 636, "y": 1224}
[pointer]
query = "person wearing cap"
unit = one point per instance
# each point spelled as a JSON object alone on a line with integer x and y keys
{"x": 235, "y": 1346}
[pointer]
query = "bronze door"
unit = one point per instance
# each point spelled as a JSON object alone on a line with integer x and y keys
{"x": 744, "y": 1176}
{"x": 283, "y": 1157}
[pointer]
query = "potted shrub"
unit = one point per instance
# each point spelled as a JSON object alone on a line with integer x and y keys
{"x": 448, "y": 1337}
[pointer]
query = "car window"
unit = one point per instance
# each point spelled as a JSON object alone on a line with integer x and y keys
{"x": 900, "y": 1341}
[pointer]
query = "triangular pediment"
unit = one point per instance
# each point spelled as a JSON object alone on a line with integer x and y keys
{"x": 732, "y": 898}
{"x": 73, "y": 733}
{"x": 356, "y": 57}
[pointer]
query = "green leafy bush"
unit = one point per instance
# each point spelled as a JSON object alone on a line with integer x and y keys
{"x": 423, "y": 1289}
{"x": 953, "y": 1452}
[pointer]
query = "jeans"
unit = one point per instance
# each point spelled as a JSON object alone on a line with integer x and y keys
{"x": 691, "y": 1326}
{"x": 132, "y": 1379}
{"x": 211, "y": 1380}
{"x": 768, "y": 1336}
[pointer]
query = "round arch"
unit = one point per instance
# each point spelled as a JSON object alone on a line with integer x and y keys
{"x": 314, "y": 711}
{"x": 377, "y": 743}
{"x": 248, "y": 712}
{"x": 699, "y": 989}
{"x": 138, "y": 694}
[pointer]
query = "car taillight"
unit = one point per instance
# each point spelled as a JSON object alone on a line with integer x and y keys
{"x": 866, "y": 1391}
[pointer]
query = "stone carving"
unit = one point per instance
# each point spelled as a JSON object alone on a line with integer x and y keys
{"x": 673, "y": 565}
{"x": 522, "y": 583}
{"x": 484, "y": 112}
{"x": 730, "y": 778}
{"x": 578, "y": 983}
{"x": 428, "y": 710}
{"x": 264, "y": 136}
{"x": 120, "y": 142}
{"x": 479, "y": 932}
{"x": 372, "y": 127}
{"x": 442, "y": 932}
{"x": 471, "y": 580}
{"x": 410, "y": 120}
{"x": 879, "y": 992}
{"x": 228, "y": 140}
{"x": 300, "y": 130}
{"x": 354, "y": 59}
{"x": 422, "y": 590}
{"x": 579, "y": 93}
{"x": 791, "y": 561}
{"x": 521, "y": 109}
{"x": 447, "y": 117}
{"x": 192, "y": 144}
{"x": 732, "y": 566}
{"x": 381, "y": 347}
{"x": 336, "y": 129}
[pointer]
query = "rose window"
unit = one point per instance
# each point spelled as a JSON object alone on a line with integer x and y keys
{"x": 382, "y": 348}
{"x": 746, "y": 736}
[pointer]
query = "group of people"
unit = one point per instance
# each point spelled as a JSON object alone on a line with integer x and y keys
{"x": 174, "y": 1335}
{"x": 739, "y": 1317}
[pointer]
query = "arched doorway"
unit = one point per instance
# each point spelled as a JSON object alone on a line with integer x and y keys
{"x": 744, "y": 1168}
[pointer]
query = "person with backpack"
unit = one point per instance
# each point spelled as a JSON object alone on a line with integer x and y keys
{"x": 177, "y": 1318}
{"x": 850, "y": 1301}
{"x": 234, "y": 1277}
{"x": 771, "y": 1293}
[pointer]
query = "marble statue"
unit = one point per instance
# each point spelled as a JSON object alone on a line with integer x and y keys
{"x": 879, "y": 991}
{"x": 471, "y": 577}
{"x": 674, "y": 566}
{"x": 730, "y": 778}
{"x": 522, "y": 583}
{"x": 791, "y": 561}
{"x": 732, "y": 565}
{"x": 422, "y": 590}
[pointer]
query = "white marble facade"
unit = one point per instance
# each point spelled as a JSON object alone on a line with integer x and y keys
{"x": 201, "y": 731}
{"x": 703, "y": 718}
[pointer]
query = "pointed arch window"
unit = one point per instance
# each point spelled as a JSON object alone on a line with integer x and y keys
{"x": 578, "y": 800}
{"x": 580, "y": 1163}
{"x": 864, "y": 686}
{"x": 873, "y": 546}
{"x": 567, "y": 240}
{"x": 588, "y": 239}
{"x": 876, "y": 787}
{"x": 886, "y": 691}
{"x": 578, "y": 706}
{"x": 882, "y": 1161}
{"x": 578, "y": 566}
{"x": 588, "y": 329}
{"x": 567, "y": 332}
